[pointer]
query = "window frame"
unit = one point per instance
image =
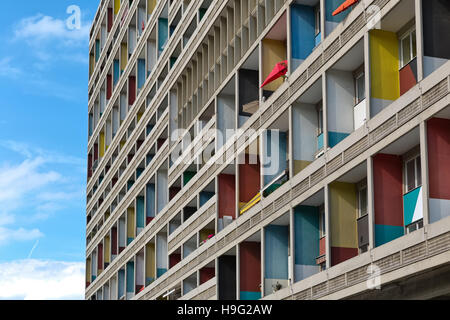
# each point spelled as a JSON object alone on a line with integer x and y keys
{"x": 416, "y": 159}
{"x": 408, "y": 34}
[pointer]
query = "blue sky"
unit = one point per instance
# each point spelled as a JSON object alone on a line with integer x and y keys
{"x": 43, "y": 137}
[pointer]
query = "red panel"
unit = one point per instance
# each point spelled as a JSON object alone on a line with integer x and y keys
{"x": 439, "y": 158}
{"x": 388, "y": 192}
{"x": 110, "y": 19}
{"x": 131, "y": 90}
{"x": 114, "y": 240}
{"x": 149, "y": 219}
{"x": 339, "y": 255}
{"x": 160, "y": 142}
{"x": 322, "y": 246}
{"x": 227, "y": 191}
{"x": 100, "y": 256}
{"x": 108, "y": 86}
{"x": 249, "y": 180}
{"x": 173, "y": 192}
{"x": 89, "y": 165}
{"x": 250, "y": 266}
{"x": 407, "y": 79}
{"x": 95, "y": 151}
{"x": 207, "y": 274}
{"x": 174, "y": 259}
{"x": 139, "y": 288}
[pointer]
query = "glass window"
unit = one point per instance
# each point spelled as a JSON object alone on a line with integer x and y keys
{"x": 360, "y": 88}
{"x": 322, "y": 222}
{"x": 319, "y": 109}
{"x": 317, "y": 19}
{"x": 413, "y": 174}
{"x": 362, "y": 195}
{"x": 408, "y": 49}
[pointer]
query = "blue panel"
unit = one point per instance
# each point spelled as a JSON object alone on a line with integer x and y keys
{"x": 247, "y": 295}
{"x": 320, "y": 142}
{"x": 139, "y": 171}
{"x": 121, "y": 283}
{"x": 306, "y": 221}
{"x": 149, "y": 158}
{"x": 149, "y": 280}
{"x": 276, "y": 252}
{"x": 150, "y": 200}
{"x": 385, "y": 234}
{"x": 330, "y": 7}
{"x": 91, "y": 124}
{"x": 116, "y": 71}
{"x": 205, "y": 196}
{"x": 140, "y": 216}
{"x": 303, "y": 31}
{"x": 149, "y": 129}
{"x": 129, "y": 241}
{"x": 335, "y": 137}
{"x": 141, "y": 73}
{"x": 275, "y": 151}
{"x": 160, "y": 272}
{"x": 130, "y": 276}
{"x": 163, "y": 33}
{"x": 97, "y": 50}
{"x": 409, "y": 205}
{"x": 318, "y": 39}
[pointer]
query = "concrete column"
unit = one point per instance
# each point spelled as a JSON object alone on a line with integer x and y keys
{"x": 327, "y": 226}
{"x": 325, "y": 111}
{"x": 424, "y": 168}
{"x": 263, "y": 265}
{"x": 238, "y": 273}
{"x": 370, "y": 203}
{"x": 419, "y": 39}
{"x": 291, "y": 246}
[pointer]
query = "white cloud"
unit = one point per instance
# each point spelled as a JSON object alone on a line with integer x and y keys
{"x": 42, "y": 280}
{"x": 18, "y": 235}
{"x": 41, "y": 28}
{"x": 7, "y": 69}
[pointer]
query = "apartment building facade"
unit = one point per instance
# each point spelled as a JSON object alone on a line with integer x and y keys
{"x": 332, "y": 181}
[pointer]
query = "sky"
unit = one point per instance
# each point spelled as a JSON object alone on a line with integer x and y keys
{"x": 43, "y": 138}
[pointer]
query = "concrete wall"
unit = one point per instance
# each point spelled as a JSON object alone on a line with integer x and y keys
{"x": 304, "y": 133}
{"x": 303, "y": 33}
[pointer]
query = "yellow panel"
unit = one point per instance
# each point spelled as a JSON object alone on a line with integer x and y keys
{"x": 150, "y": 261}
{"x": 384, "y": 61}
{"x": 88, "y": 269}
{"x": 273, "y": 52}
{"x": 102, "y": 144}
{"x": 124, "y": 56}
{"x": 116, "y": 6}
{"x": 107, "y": 250}
{"x": 122, "y": 144}
{"x": 91, "y": 64}
{"x": 299, "y": 165}
{"x": 131, "y": 229}
{"x": 139, "y": 116}
{"x": 151, "y": 4}
{"x": 343, "y": 215}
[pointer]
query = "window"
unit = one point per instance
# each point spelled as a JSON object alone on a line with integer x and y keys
{"x": 414, "y": 226}
{"x": 413, "y": 174}
{"x": 322, "y": 227}
{"x": 319, "y": 109}
{"x": 360, "y": 85}
{"x": 362, "y": 199}
{"x": 317, "y": 19}
{"x": 408, "y": 49}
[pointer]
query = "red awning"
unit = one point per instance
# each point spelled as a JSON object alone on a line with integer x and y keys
{"x": 347, "y": 4}
{"x": 280, "y": 70}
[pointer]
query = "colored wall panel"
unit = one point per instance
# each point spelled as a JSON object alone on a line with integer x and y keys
{"x": 102, "y": 144}
{"x": 306, "y": 237}
{"x": 107, "y": 251}
{"x": 227, "y": 195}
{"x": 130, "y": 276}
{"x": 408, "y": 77}
{"x": 205, "y": 196}
{"x": 109, "y": 85}
{"x": 163, "y": 33}
{"x": 207, "y": 274}
{"x": 276, "y": 239}
{"x": 131, "y": 90}
{"x": 246, "y": 295}
{"x": 384, "y": 63}
{"x": 250, "y": 267}
{"x": 150, "y": 273}
{"x": 335, "y": 137}
{"x": 140, "y": 217}
{"x": 438, "y": 137}
{"x": 339, "y": 254}
{"x": 249, "y": 180}
{"x": 151, "y": 4}
{"x": 121, "y": 283}
{"x": 123, "y": 56}
{"x": 413, "y": 206}
{"x": 275, "y": 154}
{"x": 436, "y": 24}
{"x": 227, "y": 277}
{"x": 116, "y": 6}
{"x": 97, "y": 50}
{"x": 303, "y": 33}
{"x": 114, "y": 241}
{"x": 343, "y": 215}
{"x": 388, "y": 189}
{"x": 131, "y": 225}
{"x": 332, "y": 21}
{"x": 116, "y": 72}
{"x": 273, "y": 52}
{"x": 388, "y": 195}
{"x": 110, "y": 19}
{"x": 141, "y": 73}
{"x": 386, "y": 233}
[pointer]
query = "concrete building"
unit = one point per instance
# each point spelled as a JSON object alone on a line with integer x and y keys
{"x": 332, "y": 182}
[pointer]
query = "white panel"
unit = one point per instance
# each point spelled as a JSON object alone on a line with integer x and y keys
{"x": 360, "y": 114}
{"x": 439, "y": 209}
